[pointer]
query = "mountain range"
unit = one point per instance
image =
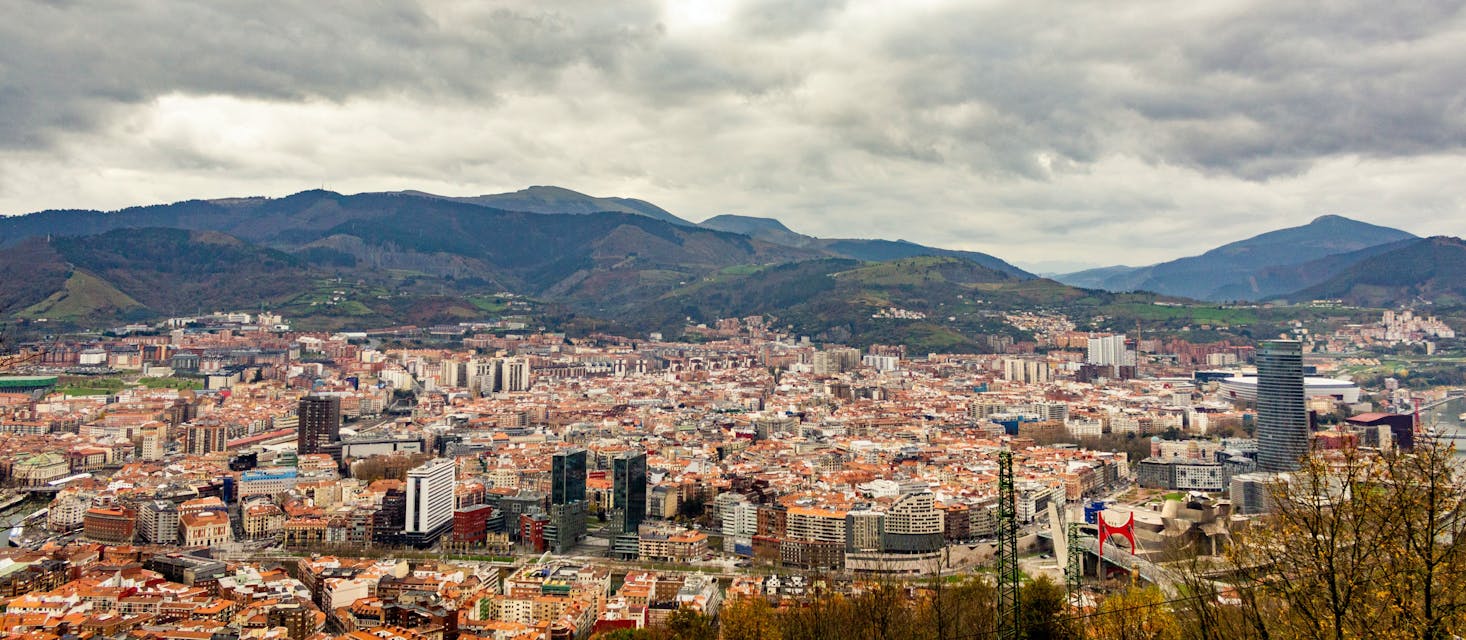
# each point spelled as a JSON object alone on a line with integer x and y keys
{"x": 1266, "y": 266}
{"x": 330, "y": 260}
{"x": 376, "y": 258}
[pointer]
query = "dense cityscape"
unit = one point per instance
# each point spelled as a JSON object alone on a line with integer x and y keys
{"x": 732, "y": 320}
{"x": 223, "y": 474}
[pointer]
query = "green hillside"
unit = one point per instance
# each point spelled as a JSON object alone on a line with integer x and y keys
{"x": 1429, "y": 270}
{"x": 83, "y": 297}
{"x": 837, "y": 299}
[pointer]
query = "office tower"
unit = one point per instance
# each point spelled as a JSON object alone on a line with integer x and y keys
{"x": 516, "y": 374}
{"x": 567, "y": 500}
{"x": 318, "y": 424}
{"x": 430, "y": 501}
{"x": 1282, "y": 415}
{"x": 567, "y": 476}
{"x": 628, "y": 471}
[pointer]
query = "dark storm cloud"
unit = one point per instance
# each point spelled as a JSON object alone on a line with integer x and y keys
{"x": 68, "y": 65}
{"x": 1255, "y": 91}
{"x": 1140, "y": 127}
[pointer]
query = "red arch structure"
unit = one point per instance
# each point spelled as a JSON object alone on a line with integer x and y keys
{"x": 1126, "y": 531}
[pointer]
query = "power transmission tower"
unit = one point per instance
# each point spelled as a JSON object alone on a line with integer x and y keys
{"x": 1074, "y": 568}
{"x": 1008, "y": 605}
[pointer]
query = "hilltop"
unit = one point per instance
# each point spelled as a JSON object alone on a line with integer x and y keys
{"x": 1265, "y": 266}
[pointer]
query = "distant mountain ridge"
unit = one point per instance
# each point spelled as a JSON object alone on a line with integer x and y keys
{"x": 284, "y": 221}
{"x": 1429, "y": 270}
{"x": 771, "y": 230}
{"x": 548, "y": 199}
{"x": 406, "y": 244}
{"x": 846, "y": 300}
{"x": 767, "y": 229}
{"x": 373, "y": 259}
{"x": 1265, "y": 266}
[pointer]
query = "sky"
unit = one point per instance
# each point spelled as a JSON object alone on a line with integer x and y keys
{"x": 1052, "y": 134}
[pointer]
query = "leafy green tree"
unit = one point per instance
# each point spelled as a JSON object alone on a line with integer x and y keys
{"x": 686, "y": 624}
{"x": 1044, "y": 611}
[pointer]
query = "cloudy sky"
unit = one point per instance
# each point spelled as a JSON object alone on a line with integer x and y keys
{"x": 1102, "y": 132}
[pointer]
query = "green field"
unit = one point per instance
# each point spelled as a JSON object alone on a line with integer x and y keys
{"x": 488, "y": 304}
{"x": 172, "y": 383}
{"x": 741, "y": 270}
{"x": 86, "y": 386}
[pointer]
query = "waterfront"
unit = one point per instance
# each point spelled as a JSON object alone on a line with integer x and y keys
{"x": 1446, "y": 419}
{"x": 12, "y": 515}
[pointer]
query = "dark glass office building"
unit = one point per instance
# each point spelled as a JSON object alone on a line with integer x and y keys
{"x": 567, "y": 477}
{"x": 1282, "y": 415}
{"x": 628, "y": 476}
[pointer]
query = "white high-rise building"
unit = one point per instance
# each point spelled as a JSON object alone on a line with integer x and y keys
{"x": 1111, "y": 351}
{"x": 454, "y": 373}
{"x": 153, "y": 445}
{"x": 157, "y": 522}
{"x": 1026, "y": 371}
{"x": 429, "y": 501}
{"x": 516, "y": 374}
{"x": 486, "y": 376}
{"x": 740, "y": 517}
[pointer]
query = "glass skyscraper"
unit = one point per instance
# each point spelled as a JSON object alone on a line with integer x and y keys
{"x": 628, "y": 476}
{"x": 567, "y": 476}
{"x": 1282, "y": 415}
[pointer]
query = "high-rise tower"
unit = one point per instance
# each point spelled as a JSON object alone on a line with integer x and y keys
{"x": 319, "y": 424}
{"x": 1282, "y": 415}
{"x": 628, "y": 475}
{"x": 567, "y": 476}
{"x": 430, "y": 501}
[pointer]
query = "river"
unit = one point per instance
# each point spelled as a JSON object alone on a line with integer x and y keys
{"x": 1446, "y": 418}
{"x": 12, "y": 516}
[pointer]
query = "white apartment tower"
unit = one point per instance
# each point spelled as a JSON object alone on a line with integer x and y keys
{"x": 1111, "y": 351}
{"x": 516, "y": 374}
{"x": 485, "y": 376}
{"x": 429, "y": 501}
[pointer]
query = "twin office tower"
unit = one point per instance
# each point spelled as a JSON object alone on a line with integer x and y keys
{"x": 568, "y": 495}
